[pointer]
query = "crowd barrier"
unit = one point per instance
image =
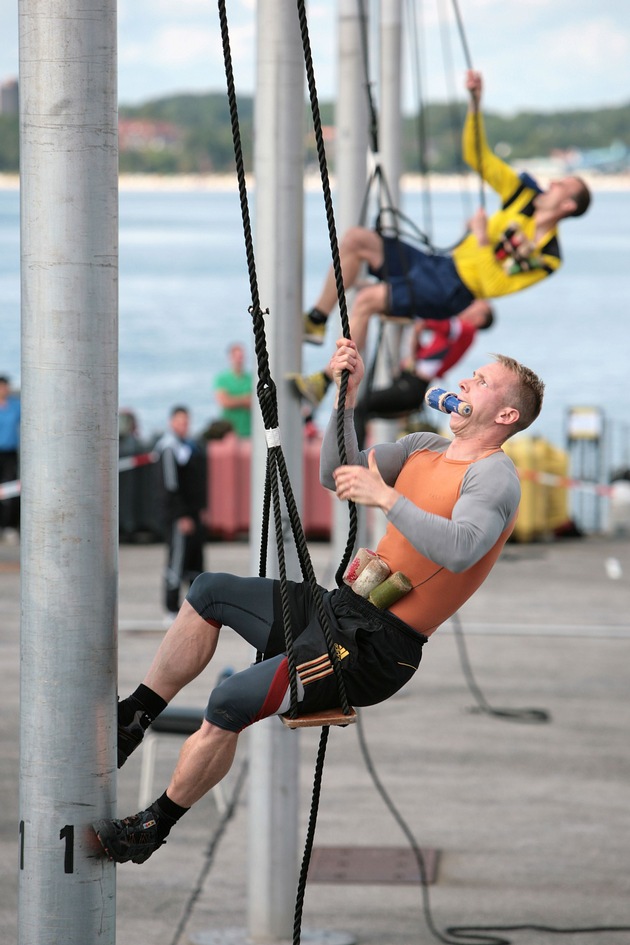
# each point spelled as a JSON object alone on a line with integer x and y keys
{"x": 227, "y": 514}
{"x": 542, "y": 468}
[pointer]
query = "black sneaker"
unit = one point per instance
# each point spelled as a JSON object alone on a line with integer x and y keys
{"x": 131, "y": 733}
{"x": 135, "y": 838}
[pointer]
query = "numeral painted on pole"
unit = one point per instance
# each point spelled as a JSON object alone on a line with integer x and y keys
{"x": 67, "y": 833}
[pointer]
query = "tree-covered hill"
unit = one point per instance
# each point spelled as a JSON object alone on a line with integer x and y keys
{"x": 191, "y": 133}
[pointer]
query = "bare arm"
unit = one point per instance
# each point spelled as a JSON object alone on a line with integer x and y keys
{"x": 474, "y": 84}
{"x": 229, "y": 401}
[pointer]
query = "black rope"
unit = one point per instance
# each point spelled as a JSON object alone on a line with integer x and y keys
{"x": 454, "y": 114}
{"x": 267, "y": 396}
{"x": 421, "y": 124}
{"x": 516, "y": 715}
{"x": 458, "y": 934}
{"x": 388, "y": 217}
{"x": 476, "y": 115}
{"x": 363, "y": 27}
{"x": 336, "y": 264}
{"x": 310, "y": 835}
{"x": 422, "y": 129}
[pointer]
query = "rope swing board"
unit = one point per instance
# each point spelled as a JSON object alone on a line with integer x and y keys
{"x": 320, "y": 719}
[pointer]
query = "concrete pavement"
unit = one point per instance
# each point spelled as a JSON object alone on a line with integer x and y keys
{"x": 531, "y": 820}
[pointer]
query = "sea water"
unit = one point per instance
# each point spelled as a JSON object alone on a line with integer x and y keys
{"x": 184, "y": 296}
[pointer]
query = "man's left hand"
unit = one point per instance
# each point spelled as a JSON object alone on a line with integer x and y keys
{"x": 364, "y": 486}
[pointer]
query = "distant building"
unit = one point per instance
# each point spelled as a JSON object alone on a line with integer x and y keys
{"x": 145, "y": 134}
{"x": 9, "y": 99}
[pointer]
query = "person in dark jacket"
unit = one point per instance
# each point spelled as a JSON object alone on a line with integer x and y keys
{"x": 183, "y": 479}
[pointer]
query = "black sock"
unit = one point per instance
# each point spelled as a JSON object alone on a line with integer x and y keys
{"x": 149, "y": 700}
{"x": 319, "y": 318}
{"x": 145, "y": 699}
{"x": 168, "y": 814}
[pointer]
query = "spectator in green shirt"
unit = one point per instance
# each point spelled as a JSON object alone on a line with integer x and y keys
{"x": 234, "y": 392}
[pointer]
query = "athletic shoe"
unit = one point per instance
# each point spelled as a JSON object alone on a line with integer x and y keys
{"x": 131, "y": 734}
{"x": 312, "y": 387}
{"x": 135, "y": 838}
{"x": 314, "y": 332}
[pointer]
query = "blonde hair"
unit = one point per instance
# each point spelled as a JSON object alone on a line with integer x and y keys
{"x": 528, "y": 391}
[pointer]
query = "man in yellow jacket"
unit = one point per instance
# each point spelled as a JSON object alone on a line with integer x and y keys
{"x": 516, "y": 247}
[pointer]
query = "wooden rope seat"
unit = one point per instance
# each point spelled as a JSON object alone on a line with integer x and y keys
{"x": 320, "y": 719}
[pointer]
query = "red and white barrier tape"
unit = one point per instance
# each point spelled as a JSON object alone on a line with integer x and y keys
{"x": 563, "y": 482}
{"x": 142, "y": 459}
{"x": 8, "y": 490}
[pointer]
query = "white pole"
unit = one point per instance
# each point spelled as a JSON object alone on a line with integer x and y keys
{"x": 391, "y": 115}
{"x": 391, "y": 161}
{"x": 351, "y": 148}
{"x": 69, "y": 564}
{"x": 278, "y": 166}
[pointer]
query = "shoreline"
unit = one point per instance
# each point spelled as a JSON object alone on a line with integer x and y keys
{"x": 226, "y": 183}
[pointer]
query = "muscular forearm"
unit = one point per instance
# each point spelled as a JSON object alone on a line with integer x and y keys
{"x": 329, "y": 455}
{"x": 230, "y": 401}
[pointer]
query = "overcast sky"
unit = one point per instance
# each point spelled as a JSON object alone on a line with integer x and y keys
{"x": 535, "y": 54}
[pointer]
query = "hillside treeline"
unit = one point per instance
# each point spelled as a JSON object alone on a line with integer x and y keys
{"x": 192, "y": 134}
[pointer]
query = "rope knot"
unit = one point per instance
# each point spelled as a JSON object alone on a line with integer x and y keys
{"x": 268, "y": 400}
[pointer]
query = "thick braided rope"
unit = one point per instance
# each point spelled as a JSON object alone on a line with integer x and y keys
{"x": 336, "y": 263}
{"x": 310, "y": 835}
{"x": 309, "y": 575}
{"x": 265, "y": 388}
{"x": 267, "y": 397}
{"x": 274, "y": 455}
{"x": 469, "y": 65}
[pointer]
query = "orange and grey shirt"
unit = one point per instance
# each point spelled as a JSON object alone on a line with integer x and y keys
{"x": 512, "y": 260}
{"x": 449, "y": 525}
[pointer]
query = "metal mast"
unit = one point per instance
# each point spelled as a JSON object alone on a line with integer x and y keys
{"x": 351, "y": 150}
{"x": 278, "y": 168}
{"x": 69, "y": 220}
{"x": 391, "y": 161}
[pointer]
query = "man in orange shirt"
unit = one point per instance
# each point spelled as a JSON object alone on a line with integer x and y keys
{"x": 450, "y": 506}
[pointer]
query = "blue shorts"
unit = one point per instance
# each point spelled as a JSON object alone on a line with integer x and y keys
{"x": 421, "y": 285}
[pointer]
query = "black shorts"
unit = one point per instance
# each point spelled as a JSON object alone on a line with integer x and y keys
{"x": 378, "y": 653}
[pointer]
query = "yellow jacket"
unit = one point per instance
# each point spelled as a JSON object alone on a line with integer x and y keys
{"x": 512, "y": 260}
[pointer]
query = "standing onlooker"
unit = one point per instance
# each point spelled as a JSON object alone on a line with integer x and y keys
{"x": 9, "y": 446}
{"x": 431, "y": 357}
{"x": 234, "y": 392}
{"x": 183, "y": 466}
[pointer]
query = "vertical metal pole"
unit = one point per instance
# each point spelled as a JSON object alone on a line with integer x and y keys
{"x": 391, "y": 161}
{"x": 351, "y": 168}
{"x": 278, "y": 166}
{"x": 68, "y": 139}
{"x": 391, "y": 116}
